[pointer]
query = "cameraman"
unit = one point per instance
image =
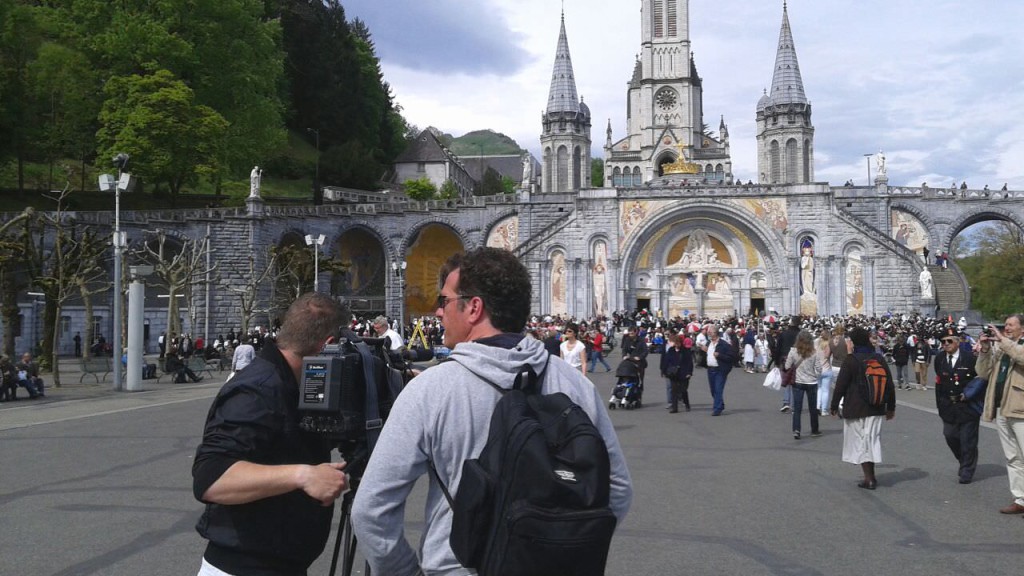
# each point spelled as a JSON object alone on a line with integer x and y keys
{"x": 1001, "y": 361}
{"x": 268, "y": 487}
{"x": 443, "y": 415}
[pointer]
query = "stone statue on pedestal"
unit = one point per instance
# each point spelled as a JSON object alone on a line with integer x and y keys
{"x": 254, "y": 182}
{"x": 927, "y": 285}
{"x": 880, "y": 164}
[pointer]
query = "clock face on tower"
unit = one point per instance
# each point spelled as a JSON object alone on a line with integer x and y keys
{"x": 666, "y": 98}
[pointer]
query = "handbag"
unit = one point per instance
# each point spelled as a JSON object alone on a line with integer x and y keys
{"x": 789, "y": 376}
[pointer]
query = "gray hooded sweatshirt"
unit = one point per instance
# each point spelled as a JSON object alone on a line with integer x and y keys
{"x": 443, "y": 416}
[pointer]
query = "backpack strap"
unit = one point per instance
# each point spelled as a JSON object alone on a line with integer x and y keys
{"x": 373, "y": 420}
{"x": 532, "y": 387}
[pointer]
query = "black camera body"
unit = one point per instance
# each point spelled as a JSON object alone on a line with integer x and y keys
{"x": 349, "y": 389}
{"x": 347, "y": 380}
{"x": 988, "y": 332}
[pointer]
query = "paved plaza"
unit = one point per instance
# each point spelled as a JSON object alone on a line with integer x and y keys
{"x": 98, "y": 483}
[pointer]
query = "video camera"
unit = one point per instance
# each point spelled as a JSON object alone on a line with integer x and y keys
{"x": 347, "y": 391}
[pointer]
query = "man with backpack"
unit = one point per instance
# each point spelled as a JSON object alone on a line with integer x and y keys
{"x": 441, "y": 425}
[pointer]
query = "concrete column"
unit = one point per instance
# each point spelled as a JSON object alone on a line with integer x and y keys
{"x": 136, "y": 303}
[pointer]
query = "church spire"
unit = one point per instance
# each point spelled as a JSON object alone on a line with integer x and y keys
{"x": 562, "y": 96}
{"x": 787, "y": 85}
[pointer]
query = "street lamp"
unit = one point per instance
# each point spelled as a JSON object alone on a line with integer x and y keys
{"x": 316, "y": 242}
{"x": 399, "y": 269}
{"x": 867, "y": 159}
{"x": 35, "y": 320}
{"x": 107, "y": 183}
{"x": 316, "y": 175}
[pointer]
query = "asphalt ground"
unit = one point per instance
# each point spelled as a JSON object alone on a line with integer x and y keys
{"x": 98, "y": 482}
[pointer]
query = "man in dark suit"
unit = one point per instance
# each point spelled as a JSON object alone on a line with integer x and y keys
{"x": 954, "y": 370}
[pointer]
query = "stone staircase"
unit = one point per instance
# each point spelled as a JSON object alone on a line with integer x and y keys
{"x": 950, "y": 290}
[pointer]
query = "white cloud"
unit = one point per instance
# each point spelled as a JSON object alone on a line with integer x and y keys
{"x": 937, "y": 87}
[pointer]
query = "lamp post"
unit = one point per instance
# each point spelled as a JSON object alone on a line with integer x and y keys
{"x": 35, "y": 321}
{"x": 107, "y": 183}
{"x": 316, "y": 242}
{"x": 867, "y": 159}
{"x": 316, "y": 174}
{"x": 399, "y": 269}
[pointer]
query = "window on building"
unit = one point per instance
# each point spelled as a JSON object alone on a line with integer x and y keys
{"x": 421, "y": 166}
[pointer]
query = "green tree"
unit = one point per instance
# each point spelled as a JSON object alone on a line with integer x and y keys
{"x": 20, "y": 38}
{"x": 63, "y": 87}
{"x": 155, "y": 119}
{"x": 490, "y": 184}
{"x": 420, "y": 189}
{"x": 995, "y": 266}
{"x": 336, "y": 86}
{"x": 597, "y": 172}
{"x": 448, "y": 190}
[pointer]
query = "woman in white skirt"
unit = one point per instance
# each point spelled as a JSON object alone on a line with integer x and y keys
{"x": 862, "y": 422}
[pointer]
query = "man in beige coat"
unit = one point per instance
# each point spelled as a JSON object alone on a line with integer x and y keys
{"x": 1001, "y": 361}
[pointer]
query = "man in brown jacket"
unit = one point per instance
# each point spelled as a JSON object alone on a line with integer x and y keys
{"x": 1001, "y": 360}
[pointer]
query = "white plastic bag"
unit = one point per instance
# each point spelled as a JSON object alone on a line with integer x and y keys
{"x": 773, "y": 380}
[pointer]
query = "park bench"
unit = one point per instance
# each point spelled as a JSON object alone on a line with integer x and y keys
{"x": 94, "y": 367}
{"x": 198, "y": 365}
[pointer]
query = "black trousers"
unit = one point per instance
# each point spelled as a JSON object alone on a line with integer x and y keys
{"x": 680, "y": 391}
{"x": 962, "y": 438}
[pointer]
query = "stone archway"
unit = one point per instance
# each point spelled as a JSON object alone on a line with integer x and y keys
{"x": 364, "y": 284}
{"x": 741, "y": 242}
{"x": 430, "y": 246}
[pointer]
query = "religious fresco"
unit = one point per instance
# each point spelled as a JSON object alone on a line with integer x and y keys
{"x": 364, "y": 254}
{"x": 632, "y": 213}
{"x": 909, "y": 231}
{"x": 434, "y": 244}
{"x": 599, "y": 278}
{"x": 854, "y": 283}
{"x": 559, "y": 285}
{"x": 808, "y": 294}
{"x": 505, "y": 234}
{"x": 773, "y": 212}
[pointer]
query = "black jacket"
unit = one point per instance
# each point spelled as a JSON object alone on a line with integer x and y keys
{"x": 950, "y": 382}
{"x": 255, "y": 419}
{"x": 682, "y": 358}
{"x": 854, "y": 400}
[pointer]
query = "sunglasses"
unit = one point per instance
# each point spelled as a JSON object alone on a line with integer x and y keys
{"x": 443, "y": 301}
{"x": 949, "y": 341}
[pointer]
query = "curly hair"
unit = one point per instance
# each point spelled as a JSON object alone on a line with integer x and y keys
{"x": 498, "y": 278}
{"x": 309, "y": 321}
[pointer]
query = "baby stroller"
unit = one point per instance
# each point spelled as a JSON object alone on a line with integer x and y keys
{"x": 629, "y": 387}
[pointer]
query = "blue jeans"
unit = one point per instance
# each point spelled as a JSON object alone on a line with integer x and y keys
{"x": 787, "y": 396}
{"x": 716, "y": 382}
{"x": 811, "y": 390}
{"x": 595, "y": 357}
{"x": 825, "y": 388}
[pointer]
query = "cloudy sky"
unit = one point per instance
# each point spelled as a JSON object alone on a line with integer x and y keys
{"x": 937, "y": 85}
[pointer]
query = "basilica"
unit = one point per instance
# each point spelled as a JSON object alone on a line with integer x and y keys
{"x": 669, "y": 229}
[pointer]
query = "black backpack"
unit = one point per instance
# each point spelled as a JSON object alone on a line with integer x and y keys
{"x": 535, "y": 503}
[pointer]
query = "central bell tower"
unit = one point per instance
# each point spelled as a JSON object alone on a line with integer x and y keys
{"x": 665, "y": 106}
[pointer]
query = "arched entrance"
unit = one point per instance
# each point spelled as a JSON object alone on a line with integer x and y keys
{"x": 689, "y": 257}
{"x": 363, "y": 283}
{"x": 985, "y": 251}
{"x": 427, "y": 252}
